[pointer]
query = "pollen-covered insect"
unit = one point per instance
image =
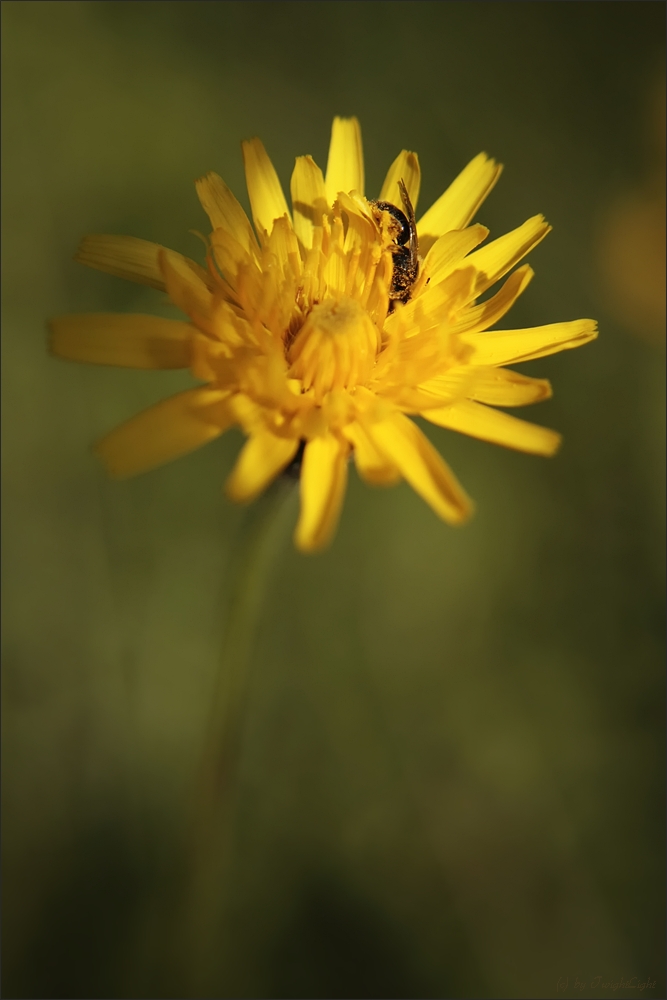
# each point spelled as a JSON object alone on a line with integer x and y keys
{"x": 405, "y": 245}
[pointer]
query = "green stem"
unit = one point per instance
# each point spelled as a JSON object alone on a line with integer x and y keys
{"x": 209, "y": 845}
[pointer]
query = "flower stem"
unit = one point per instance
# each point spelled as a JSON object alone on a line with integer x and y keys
{"x": 210, "y": 837}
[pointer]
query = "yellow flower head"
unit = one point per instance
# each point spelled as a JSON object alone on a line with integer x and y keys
{"x": 323, "y": 330}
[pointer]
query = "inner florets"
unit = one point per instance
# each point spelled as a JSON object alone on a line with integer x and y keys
{"x": 335, "y": 348}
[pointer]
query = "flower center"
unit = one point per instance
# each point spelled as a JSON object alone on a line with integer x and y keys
{"x": 335, "y": 348}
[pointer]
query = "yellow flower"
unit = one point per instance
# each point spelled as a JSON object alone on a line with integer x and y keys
{"x": 300, "y": 337}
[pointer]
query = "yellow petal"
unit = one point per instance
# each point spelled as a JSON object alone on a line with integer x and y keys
{"x": 493, "y": 425}
{"x": 225, "y": 212}
{"x": 406, "y": 168}
{"x": 435, "y": 305}
{"x": 455, "y": 208}
{"x": 503, "y": 387}
{"x": 264, "y": 190}
{"x": 506, "y": 347}
{"x": 309, "y": 199}
{"x": 209, "y": 361}
{"x": 403, "y": 444}
{"x": 345, "y": 166}
{"x": 335, "y": 278}
{"x": 361, "y": 232}
{"x": 131, "y": 341}
{"x": 262, "y": 457}
{"x": 500, "y": 256}
{"x": 450, "y": 249}
{"x": 132, "y": 259}
{"x": 283, "y": 243}
{"x": 249, "y": 414}
{"x": 496, "y": 386}
{"x": 231, "y": 256}
{"x": 166, "y": 431}
{"x": 357, "y": 207}
{"x": 323, "y": 481}
{"x": 483, "y": 316}
{"x": 186, "y": 289}
{"x": 371, "y": 464}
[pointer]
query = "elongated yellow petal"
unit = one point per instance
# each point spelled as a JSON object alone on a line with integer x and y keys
{"x": 309, "y": 199}
{"x": 435, "y": 305}
{"x": 166, "y": 431}
{"x": 323, "y": 481}
{"x": 483, "y": 316}
{"x": 450, "y": 249}
{"x": 496, "y": 386}
{"x": 264, "y": 189}
{"x": 406, "y": 168}
{"x": 503, "y": 387}
{"x": 283, "y": 243}
{"x": 132, "y": 259}
{"x": 507, "y": 347}
{"x": 230, "y": 256}
{"x": 371, "y": 464}
{"x": 186, "y": 290}
{"x": 500, "y": 256}
{"x": 130, "y": 341}
{"x": 456, "y": 207}
{"x": 493, "y": 425}
{"x": 262, "y": 457}
{"x": 225, "y": 212}
{"x": 248, "y": 413}
{"x": 402, "y": 442}
{"x": 345, "y": 166}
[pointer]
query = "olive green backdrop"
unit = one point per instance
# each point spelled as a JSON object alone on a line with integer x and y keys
{"x": 452, "y": 773}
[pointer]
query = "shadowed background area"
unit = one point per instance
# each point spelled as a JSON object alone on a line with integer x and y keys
{"x": 452, "y": 772}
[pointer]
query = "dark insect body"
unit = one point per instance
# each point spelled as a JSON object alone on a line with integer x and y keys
{"x": 405, "y": 248}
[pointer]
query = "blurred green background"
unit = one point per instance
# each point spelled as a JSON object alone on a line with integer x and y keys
{"x": 452, "y": 781}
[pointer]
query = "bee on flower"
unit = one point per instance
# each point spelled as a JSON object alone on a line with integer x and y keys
{"x": 323, "y": 330}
